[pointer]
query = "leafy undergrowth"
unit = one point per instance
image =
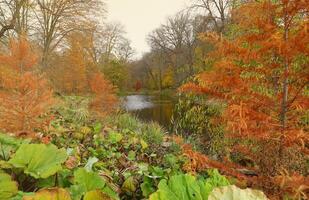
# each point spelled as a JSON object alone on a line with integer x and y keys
{"x": 116, "y": 158}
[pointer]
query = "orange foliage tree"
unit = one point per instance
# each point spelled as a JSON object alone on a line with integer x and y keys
{"x": 75, "y": 67}
{"x": 74, "y": 72}
{"x": 262, "y": 73}
{"x": 25, "y": 96}
{"x": 105, "y": 100}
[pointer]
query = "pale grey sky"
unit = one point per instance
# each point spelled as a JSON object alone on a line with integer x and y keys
{"x": 142, "y": 16}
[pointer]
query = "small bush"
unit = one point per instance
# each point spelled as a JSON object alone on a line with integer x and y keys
{"x": 194, "y": 118}
{"x": 74, "y": 109}
{"x": 105, "y": 100}
{"x": 153, "y": 133}
{"x": 125, "y": 121}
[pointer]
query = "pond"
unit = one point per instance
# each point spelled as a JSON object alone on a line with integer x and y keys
{"x": 148, "y": 108}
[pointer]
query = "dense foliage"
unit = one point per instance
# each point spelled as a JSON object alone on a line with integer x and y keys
{"x": 239, "y": 128}
{"x": 195, "y": 118}
{"x": 25, "y": 96}
{"x": 262, "y": 74}
{"x": 118, "y": 158}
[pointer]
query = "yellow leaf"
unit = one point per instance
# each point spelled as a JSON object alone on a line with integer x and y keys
{"x": 144, "y": 144}
{"x": 96, "y": 195}
{"x": 50, "y": 194}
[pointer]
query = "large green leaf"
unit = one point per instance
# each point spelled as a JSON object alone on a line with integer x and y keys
{"x": 234, "y": 193}
{"x": 180, "y": 187}
{"x": 8, "y": 188}
{"x": 114, "y": 137}
{"x": 39, "y": 160}
{"x": 215, "y": 180}
{"x": 77, "y": 192}
{"x": 89, "y": 180}
{"x": 9, "y": 144}
{"x": 148, "y": 186}
{"x": 187, "y": 187}
{"x": 129, "y": 185}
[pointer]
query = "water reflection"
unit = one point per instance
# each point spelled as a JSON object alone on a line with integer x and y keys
{"x": 150, "y": 108}
{"x": 137, "y": 102}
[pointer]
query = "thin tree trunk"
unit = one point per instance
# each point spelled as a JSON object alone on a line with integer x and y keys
{"x": 284, "y": 102}
{"x": 285, "y": 86}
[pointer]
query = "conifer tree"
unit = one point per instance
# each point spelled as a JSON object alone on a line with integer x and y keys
{"x": 25, "y": 96}
{"x": 262, "y": 73}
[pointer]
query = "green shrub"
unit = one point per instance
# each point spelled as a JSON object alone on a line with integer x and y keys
{"x": 152, "y": 133}
{"x": 193, "y": 118}
{"x": 73, "y": 109}
{"x": 124, "y": 121}
{"x": 192, "y": 115}
{"x": 9, "y": 145}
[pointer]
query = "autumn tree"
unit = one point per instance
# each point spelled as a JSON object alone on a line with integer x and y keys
{"x": 105, "y": 99}
{"x": 58, "y": 18}
{"x": 75, "y": 77}
{"x": 262, "y": 73}
{"x": 25, "y": 96}
{"x": 75, "y": 65}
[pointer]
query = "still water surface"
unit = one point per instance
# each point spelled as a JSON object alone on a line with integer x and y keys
{"x": 150, "y": 108}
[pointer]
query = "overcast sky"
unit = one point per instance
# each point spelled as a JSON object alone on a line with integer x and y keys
{"x": 142, "y": 16}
